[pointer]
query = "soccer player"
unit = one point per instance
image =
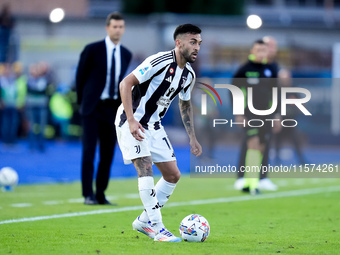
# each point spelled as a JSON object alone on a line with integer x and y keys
{"x": 146, "y": 94}
{"x": 255, "y": 74}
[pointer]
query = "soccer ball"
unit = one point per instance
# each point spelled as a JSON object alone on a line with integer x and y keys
{"x": 8, "y": 177}
{"x": 194, "y": 228}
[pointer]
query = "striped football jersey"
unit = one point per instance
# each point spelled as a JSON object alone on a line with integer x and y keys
{"x": 160, "y": 81}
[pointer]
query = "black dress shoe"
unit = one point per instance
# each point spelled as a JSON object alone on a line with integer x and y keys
{"x": 105, "y": 202}
{"x": 90, "y": 200}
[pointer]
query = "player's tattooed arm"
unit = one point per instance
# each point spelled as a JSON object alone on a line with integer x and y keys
{"x": 187, "y": 117}
{"x": 143, "y": 166}
{"x": 188, "y": 121}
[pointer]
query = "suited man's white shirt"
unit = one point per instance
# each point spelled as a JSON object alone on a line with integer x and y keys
{"x": 109, "y": 50}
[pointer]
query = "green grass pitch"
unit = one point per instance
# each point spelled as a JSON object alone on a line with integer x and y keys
{"x": 301, "y": 218}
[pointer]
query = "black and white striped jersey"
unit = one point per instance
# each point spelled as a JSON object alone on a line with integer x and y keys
{"x": 160, "y": 81}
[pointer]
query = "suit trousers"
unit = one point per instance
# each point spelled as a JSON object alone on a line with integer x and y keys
{"x": 98, "y": 127}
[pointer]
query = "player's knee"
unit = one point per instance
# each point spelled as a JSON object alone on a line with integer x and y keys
{"x": 176, "y": 176}
{"x": 173, "y": 178}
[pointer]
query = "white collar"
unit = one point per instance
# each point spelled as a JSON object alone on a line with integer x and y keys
{"x": 110, "y": 44}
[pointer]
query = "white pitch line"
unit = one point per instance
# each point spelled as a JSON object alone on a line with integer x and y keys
{"x": 75, "y": 200}
{"x": 66, "y": 215}
{"x": 292, "y": 193}
{"x": 21, "y": 205}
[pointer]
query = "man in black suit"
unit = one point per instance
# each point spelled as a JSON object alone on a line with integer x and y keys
{"x": 101, "y": 68}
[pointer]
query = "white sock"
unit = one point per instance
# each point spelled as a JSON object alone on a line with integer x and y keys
{"x": 163, "y": 191}
{"x": 147, "y": 194}
{"x": 144, "y": 216}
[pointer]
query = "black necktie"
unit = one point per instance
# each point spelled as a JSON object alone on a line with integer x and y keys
{"x": 113, "y": 74}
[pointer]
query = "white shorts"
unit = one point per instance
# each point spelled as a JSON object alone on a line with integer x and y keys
{"x": 155, "y": 144}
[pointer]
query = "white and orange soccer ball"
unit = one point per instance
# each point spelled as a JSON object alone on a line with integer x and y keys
{"x": 194, "y": 228}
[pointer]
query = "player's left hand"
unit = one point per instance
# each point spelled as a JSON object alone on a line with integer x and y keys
{"x": 196, "y": 148}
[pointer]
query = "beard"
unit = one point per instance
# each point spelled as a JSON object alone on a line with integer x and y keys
{"x": 187, "y": 56}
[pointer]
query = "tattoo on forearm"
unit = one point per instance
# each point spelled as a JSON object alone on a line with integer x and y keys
{"x": 186, "y": 113}
{"x": 143, "y": 166}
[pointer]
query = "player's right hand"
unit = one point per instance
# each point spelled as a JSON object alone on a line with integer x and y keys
{"x": 196, "y": 148}
{"x": 135, "y": 126}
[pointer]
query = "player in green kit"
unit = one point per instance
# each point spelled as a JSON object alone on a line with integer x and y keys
{"x": 258, "y": 75}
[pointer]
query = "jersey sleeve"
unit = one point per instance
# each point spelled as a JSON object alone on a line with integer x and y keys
{"x": 144, "y": 71}
{"x": 151, "y": 65}
{"x": 185, "y": 93}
